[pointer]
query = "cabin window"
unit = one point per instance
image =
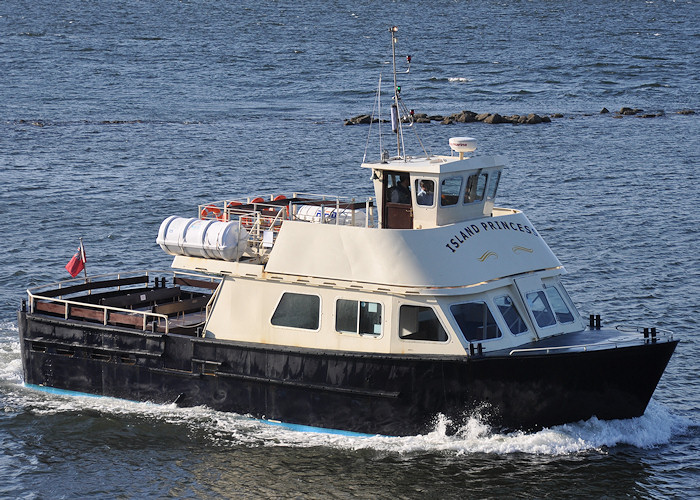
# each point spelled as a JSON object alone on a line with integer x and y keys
{"x": 540, "y": 308}
{"x": 425, "y": 191}
{"x": 420, "y": 323}
{"x": 510, "y": 314}
{"x": 493, "y": 185}
{"x": 449, "y": 193}
{"x": 399, "y": 188}
{"x": 476, "y": 186}
{"x": 476, "y": 321}
{"x": 356, "y": 316}
{"x": 298, "y": 310}
{"x": 561, "y": 310}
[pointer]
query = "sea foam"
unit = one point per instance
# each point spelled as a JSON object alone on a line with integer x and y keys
{"x": 656, "y": 427}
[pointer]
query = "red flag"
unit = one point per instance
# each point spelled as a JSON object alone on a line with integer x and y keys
{"x": 77, "y": 262}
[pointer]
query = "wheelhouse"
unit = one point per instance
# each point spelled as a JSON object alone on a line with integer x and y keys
{"x": 422, "y": 193}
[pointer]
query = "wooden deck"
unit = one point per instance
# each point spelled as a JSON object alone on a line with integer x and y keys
{"x": 140, "y": 302}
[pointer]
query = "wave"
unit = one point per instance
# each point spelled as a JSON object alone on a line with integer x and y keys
{"x": 10, "y": 361}
{"x": 656, "y": 427}
{"x": 451, "y": 79}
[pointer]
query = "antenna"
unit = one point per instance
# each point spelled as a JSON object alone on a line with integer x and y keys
{"x": 399, "y": 112}
{"x": 395, "y": 110}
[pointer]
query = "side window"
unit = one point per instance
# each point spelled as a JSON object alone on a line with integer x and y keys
{"x": 425, "y": 191}
{"x": 399, "y": 188}
{"x": 476, "y": 185}
{"x": 353, "y": 316}
{"x": 515, "y": 322}
{"x": 420, "y": 323}
{"x": 476, "y": 321}
{"x": 561, "y": 310}
{"x": 493, "y": 185}
{"x": 298, "y": 310}
{"x": 540, "y": 309}
{"x": 346, "y": 316}
{"x": 449, "y": 193}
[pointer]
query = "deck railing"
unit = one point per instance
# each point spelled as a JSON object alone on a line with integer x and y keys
{"x": 297, "y": 206}
{"x": 107, "y": 314}
{"x": 665, "y": 336}
{"x": 50, "y": 299}
{"x": 263, "y": 217}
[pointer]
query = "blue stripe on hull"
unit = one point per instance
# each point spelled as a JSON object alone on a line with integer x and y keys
{"x": 61, "y": 392}
{"x": 275, "y": 423}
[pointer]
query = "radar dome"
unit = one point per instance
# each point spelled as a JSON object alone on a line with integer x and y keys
{"x": 462, "y": 144}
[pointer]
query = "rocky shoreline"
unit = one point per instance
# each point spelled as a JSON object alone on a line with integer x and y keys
{"x": 495, "y": 118}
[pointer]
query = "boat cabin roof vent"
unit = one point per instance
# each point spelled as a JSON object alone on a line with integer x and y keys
{"x": 462, "y": 145}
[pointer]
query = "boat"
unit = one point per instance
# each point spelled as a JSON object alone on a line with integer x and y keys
{"x": 372, "y": 315}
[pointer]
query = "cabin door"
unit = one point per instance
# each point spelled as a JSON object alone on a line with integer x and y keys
{"x": 397, "y": 209}
{"x": 531, "y": 291}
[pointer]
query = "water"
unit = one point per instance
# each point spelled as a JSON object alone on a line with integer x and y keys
{"x": 116, "y": 115}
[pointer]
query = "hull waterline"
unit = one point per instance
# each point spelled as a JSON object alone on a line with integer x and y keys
{"x": 358, "y": 392}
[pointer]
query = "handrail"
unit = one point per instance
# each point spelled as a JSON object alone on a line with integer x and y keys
{"x": 94, "y": 279}
{"x": 285, "y": 207}
{"x": 261, "y": 215}
{"x": 104, "y": 309}
{"x": 210, "y": 305}
{"x": 583, "y": 347}
{"x": 34, "y": 294}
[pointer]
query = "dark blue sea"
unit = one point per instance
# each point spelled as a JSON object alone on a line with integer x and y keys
{"x": 115, "y": 115}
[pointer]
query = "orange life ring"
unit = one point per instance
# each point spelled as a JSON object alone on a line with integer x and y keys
{"x": 211, "y": 209}
{"x": 247, "y": 221}
{"x": 257, "y": 200}
{"x": 280, "y": 197}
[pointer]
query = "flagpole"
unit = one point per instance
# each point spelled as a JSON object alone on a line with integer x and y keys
{"x": 83, "y": 259}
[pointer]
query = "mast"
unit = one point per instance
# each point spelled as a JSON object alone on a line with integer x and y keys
{"x": 399, "y": 112}
{"x": 395, "y": 115}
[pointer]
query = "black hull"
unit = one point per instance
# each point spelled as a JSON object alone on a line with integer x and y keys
{"x": 366, "y": 393}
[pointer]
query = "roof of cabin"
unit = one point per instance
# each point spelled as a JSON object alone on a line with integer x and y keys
{"x": 437, "y": 164}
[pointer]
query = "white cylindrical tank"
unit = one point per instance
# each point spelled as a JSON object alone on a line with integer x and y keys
{"x": 210, "y": 238}
{"x": 312, "y": 213}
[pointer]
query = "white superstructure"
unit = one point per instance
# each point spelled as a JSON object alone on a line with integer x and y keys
{"x": 428, "y": 265}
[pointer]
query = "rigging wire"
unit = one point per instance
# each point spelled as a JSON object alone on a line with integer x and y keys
{"x": 377, "y": 105}
{"x": 399, "y": 115}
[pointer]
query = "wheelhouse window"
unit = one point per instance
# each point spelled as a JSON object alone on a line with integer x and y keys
{"x": 449, "y": 192}
{"x": 399, "y": 188}
{"x": 476, "y": 186}
{"x": 425, "y": 192}
{"x": 298, "y": 310}
{"x": 541, "y": 310}
{"x": 493, "y": 185}
{"x": 356, "y": 316}
{"x": 510, "y": 314}
{"x": 561, "y": 310}
{"x": 476, "y": 321}
{"x": 420, "y": 323}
